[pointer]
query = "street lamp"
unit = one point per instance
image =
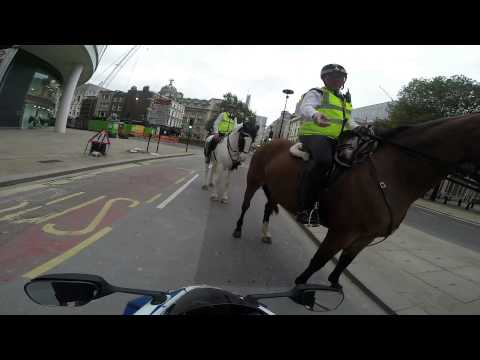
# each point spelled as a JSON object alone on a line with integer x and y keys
{"x": 287, "y": 92}
{"x": 188, "y": 136}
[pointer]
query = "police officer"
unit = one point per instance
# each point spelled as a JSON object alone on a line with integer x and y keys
{"x": 326, "y": 112}
{"x": 224, "y": 124}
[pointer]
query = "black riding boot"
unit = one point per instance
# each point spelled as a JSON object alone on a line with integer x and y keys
{"x": 306, "y": 198}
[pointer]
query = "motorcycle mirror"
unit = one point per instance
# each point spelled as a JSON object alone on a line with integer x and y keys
{"x": 67, "y": 289}
{"x": 318, "y": 298}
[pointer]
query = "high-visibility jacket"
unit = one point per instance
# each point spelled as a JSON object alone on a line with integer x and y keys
{"x": 226, "y": 125}
{"x": 333, "y": 108}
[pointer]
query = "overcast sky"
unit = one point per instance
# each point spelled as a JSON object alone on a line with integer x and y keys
{"x": 203, "y": 72}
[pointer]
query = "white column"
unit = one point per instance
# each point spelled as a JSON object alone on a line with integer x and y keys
{"x": 69, "y": 86}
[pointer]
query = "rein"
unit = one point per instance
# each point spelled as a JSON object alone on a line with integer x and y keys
{"x": 382, "y": 186}
{"x": 230, "y": 149}
{"x": 417, "y": 153}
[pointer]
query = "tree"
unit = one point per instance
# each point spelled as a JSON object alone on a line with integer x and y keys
{"x": 232, "y": 103}
{"x": 429, "y": 99}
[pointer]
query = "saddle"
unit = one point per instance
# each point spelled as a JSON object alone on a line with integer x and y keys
{"x": 353, "y": 147}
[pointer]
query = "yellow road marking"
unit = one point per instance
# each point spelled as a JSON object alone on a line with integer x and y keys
{"x": 114, "y": 168}
{"x": 23, "y": 204}
{"x": 65, "y": 198}
{"x": 50, "y": 228}
{"x": 17, "y": 214}
{"x": 39, "y": 220}
{"x": 66, "y": 255}
{"x": 180, "y": 180}
{"x": 149, "y": 201}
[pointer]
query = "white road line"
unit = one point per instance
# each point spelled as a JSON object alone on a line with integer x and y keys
{"x": 176, "y": 193}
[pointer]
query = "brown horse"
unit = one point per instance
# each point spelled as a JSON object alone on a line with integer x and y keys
{"x": 371, "y": 199}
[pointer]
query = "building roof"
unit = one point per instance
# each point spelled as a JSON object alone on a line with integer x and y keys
{"x": 170, "y": 91}
{"x": 61, "y": 57}
{"x": 371, "y": 112}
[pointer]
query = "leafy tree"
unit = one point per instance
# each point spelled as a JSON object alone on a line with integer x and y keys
{"x": 428, "y": 99}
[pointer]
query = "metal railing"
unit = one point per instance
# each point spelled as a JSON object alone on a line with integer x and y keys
{"x": 462, "y": 190}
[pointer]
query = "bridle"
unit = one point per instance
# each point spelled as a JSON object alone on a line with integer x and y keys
{"x": 241, "y": 138}
{"x": 382, "y": 185}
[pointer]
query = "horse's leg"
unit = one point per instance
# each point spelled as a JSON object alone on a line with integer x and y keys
{"x": 217, "y": 174}
{"x": 332, "y": 244}
{"x": 205, "y": 178}
{"x": 269, "y": 208}
{"x": 266, "y": 236}
{"x": 348, "y": 254}
{"x": 226, "y": 187}
{"x": 213, "y": 171}
{"x": 251, "y": 189}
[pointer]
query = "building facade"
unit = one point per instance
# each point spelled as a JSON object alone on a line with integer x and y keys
{"x": 167, "y": 111}
{"x": 167, "y": 114}
{"x": 38, "y": 81}
{"x": 294, "y": 125}
{"x": 88, "y": 107}
{"x": 199, "y": 113}
{"x": 281, "y": 127}
{"x": 261, "y": 121}
{"x": 137, "y": 105}
{"x": 81, "y": 92}
{"x": 368, "y": 114}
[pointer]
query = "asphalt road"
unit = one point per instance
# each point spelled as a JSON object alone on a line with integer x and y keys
{"x": 444, "y": 227}
{"x": 149, "y": 226}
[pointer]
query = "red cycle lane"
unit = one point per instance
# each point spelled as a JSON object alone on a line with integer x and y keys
{"x": 54, "y": 235}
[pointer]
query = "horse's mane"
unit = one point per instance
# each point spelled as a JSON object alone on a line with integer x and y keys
{"x": 393, "y": 133}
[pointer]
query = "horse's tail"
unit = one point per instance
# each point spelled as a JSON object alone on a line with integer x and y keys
{"x": 205, "y": 149}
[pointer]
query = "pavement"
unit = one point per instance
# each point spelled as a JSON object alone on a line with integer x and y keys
{"x": 21, "y": 153}
{"x": 414, "y": 273}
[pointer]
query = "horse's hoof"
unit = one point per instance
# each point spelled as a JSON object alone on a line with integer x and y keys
{"x": 237, "y": 233}
{"x": 267, "y": 239}
{"x": 204, "y": 187}
{"x": 224, "y": 201}
{"x": 214, "y": 198}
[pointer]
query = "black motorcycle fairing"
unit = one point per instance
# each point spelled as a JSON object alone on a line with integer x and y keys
{"x": 204, "y": 301}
